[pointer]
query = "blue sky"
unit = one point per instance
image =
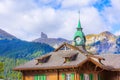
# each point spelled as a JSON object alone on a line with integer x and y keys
{"x": 101, "y": 4}
{"x": 26, "y": 19}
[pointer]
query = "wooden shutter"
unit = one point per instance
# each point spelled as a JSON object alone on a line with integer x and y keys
{"x": 36, "y": 77}
{"x": 90, "y": 76}
{"x": 44, "y": 77}
{"x": 81, "y": 76}
{"x": 63, "y": 76}
{"x": 72, "y": 76}
{"x": 99, "y": 78}
{"x": 40, "y": 77}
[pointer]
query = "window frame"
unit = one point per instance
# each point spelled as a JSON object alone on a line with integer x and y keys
{"x": 68, "y": 76}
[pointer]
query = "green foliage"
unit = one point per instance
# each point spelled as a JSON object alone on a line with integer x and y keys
{"x": 1, "y": 67}
{"x": 1, "y": 70}
{"x": 22, "y": 49}
{"x": 38, "y": 53}
{"x": 15, "y": 52}
{"x": 9, "y": 64}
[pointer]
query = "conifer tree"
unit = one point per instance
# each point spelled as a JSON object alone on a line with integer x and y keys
{"x": 1, "y": 70}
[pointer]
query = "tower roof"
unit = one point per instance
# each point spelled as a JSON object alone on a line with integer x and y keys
{"x": 79, "y": 24}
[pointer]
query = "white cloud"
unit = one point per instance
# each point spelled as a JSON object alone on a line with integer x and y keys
{"x": 112, "y": 14}
{"x": 116, "y": 4}
{"x": 26, "y": 19}
{"x": 93, "y": 21}
{"x": 5, "y": 6}
{"x": 77, "y": 4}
{"x": 117, "y": 33}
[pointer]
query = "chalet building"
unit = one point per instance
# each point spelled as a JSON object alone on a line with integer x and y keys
{"x": 72, "y": 62}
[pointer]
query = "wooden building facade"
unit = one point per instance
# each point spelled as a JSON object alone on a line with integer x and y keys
{"x": 72, "y": 64}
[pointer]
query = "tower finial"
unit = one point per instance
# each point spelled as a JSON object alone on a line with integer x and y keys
{"x": 79, "y": 24}
{"x": 79, "y": 14}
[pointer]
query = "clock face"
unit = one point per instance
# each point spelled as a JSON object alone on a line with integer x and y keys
{"x": 78, "y": 40}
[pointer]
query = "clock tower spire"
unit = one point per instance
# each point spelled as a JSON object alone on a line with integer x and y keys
{"x": 79, "y": 37}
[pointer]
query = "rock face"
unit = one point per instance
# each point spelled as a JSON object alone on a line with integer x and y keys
{"x": 5, "y": 35}
{"x": 55, "y": 42}
{"x": 104, "y": 42}
{"x": 43, "y": 35}
{"x": 117, "y": 48}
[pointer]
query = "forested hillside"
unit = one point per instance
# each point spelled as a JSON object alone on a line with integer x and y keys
{"x": 14, "y": 52}
{"x": 22, "y": 49}
{"x": 6, "y": 68}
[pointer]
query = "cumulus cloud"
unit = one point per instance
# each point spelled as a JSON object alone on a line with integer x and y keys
{"x": 77, "y": 4}
{"x": 117, "y": 33}
{"x": 26, "y": 19}
{"x": 92, "y": 21}
{"x": 112, "y": 17}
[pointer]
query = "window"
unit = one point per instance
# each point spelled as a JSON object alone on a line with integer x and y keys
{"x": 86, "y": 76}
{"x": 43, "y": 59}
{"x": 70, "y": 57}
{"x": 69, "y": 76}
{"x": 40, "y": 77}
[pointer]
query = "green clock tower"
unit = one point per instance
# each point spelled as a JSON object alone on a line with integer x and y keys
{"x": 79, "y": 37}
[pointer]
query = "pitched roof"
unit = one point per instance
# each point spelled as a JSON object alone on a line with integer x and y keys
{"x": 112, "y": 61}
{"x": 66, "y": 45}
{"x": 57, "y": 60}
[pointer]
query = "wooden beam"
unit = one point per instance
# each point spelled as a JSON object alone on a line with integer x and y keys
{"x": 23, "y": 76}
{"x": 57, "y": 74}
{"x": 95, "y": 68}
{"x": 75, "y": 75}
{"x": 95, "y": 76}
{"x": 97, "y": 57}
{"x": 59, "y": 47}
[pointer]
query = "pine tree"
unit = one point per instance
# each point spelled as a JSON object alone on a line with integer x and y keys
{"x": 1, "y": 70}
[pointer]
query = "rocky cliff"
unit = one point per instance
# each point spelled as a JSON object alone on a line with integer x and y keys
{"x": 55, "y": 42}
{"x": 104, "y": 42}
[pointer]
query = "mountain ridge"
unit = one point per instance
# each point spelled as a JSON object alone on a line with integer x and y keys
{"x": 55, "y": 42}
{"x": 97, "y": 43}
{"x": 104, "y": 42}
{"x": 6, "y": 35}
{"x": 12, "y": 47}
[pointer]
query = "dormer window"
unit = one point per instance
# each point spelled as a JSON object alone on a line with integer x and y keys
{"x": 67, "y": 59}
{"x": 70, "y": 57}
{"x": 43, "y": 59}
